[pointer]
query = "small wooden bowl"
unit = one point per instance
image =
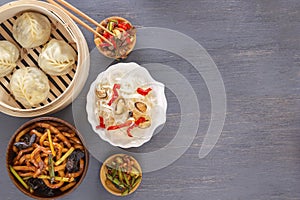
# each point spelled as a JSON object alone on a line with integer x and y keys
{"x": 107, "y": 183}
{"x": 10, "y": 154}
{"x": 99, "y": 30}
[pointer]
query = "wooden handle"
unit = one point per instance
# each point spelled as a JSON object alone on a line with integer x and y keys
{"x": 80, "y": 13}
{"x": 79, "y": 21}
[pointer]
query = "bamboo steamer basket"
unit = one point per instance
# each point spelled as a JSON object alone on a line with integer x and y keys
{"x": 63, "y": 89}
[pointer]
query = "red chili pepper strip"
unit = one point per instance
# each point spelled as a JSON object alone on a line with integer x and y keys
{"x": 128, "y": 26}
{"x": 136, "y": 123}
{"x": 115, "y": 94}
{"x": 127, "y": 123}
{"x": 106, "y": 35}
{"x": 123, "y": 26}
{"x": 101, "y": 125}
{"x": 129, "y": 130}
{"x": 104, "y": 45}
{"x": 143, "y": 92}
{"x": 139, "y": 121}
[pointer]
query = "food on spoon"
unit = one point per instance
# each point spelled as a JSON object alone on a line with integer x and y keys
{"x": 9, "y": 54}
{"x": 30, "y": 86}
{"x": 41, "y": 169}
{"x": 31, "y": 29}
{"x": 122, "y": 35}
{"x": 57, "y": 58}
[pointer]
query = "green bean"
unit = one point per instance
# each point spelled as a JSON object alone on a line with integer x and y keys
{"x": 51, "y": 168}
{"x": 57, "y": 178}
{"x": 125, "y": 192}
{"x": 26, "y": 178}
{"x": 18, "y": 177}
{"x": 138, "y": 180}
{"x": 115, "y": 181}
{"x": 114, "y": 173}
{"x": 65, "y": 156}
{"x": 126, "y": 178}
{"x": 132, "y": 180}
{"x": 120, "y": 174}
{"x": 134, "y": 172}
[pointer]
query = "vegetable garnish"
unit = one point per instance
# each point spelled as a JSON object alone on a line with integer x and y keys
{"x": 123, "y": 173}
{"x": 18, "y": 177}
{"x": 143, "y": 92}
{"x": 50, "y": 142}
{"x": 127, "y": 123}
{"x": 51, "y": 168}
{"x": 57, "y": 178}
{"x": 122, "y": 36}
{"x": 115, "y": 94}
{"x": 136, "y": 124}
{"x": 101, "y": 125}
{"x": 132, "y": 124}
{"x": 64, "y": 157}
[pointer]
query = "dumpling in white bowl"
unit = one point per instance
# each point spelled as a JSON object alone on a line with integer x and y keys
{"x": 9, "y": 55}
{"x": 31, "y": 29}
{"x": 57, "y": 58}
{"x": 30, "y": 86}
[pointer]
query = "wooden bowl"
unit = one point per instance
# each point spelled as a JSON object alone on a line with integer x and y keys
{"x": 10, "y": 155}
{"x": 99, "y": 30}
{"x": 107, "y": 184}
{"x": 63, "y": 89}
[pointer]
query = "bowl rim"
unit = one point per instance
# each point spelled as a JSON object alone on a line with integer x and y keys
{"x": 103, "y": 179}
{"x": 9, "y": 151}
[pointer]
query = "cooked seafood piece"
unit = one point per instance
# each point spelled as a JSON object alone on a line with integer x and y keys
{"x": 120, "y": 106}
{"x": 142, "y": 107}
{"x": 146, "y": 123}
{"x": 101, "y": 93}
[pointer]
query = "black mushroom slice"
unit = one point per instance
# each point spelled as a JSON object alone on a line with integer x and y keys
{"x": 73, "y": 161}
{"x": 40, "y": 188}
{"x": 26, "y": 142}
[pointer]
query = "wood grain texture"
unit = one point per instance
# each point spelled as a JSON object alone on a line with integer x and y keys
{"x": 256, "y": 46}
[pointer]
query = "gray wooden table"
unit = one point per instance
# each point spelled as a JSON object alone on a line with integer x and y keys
{"x": 256, "y": 46}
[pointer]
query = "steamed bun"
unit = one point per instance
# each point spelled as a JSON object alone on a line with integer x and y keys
{"x": 9, "y": 55}
{"x": 30, "y": 86}
{"x": 57, "y": 58}
{"x": 31, "y": 29}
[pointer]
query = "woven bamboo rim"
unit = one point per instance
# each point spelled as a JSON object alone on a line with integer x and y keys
{"x": 63, "y": 89}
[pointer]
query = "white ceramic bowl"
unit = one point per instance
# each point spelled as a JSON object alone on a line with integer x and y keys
{"x": 130, "y": 73}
